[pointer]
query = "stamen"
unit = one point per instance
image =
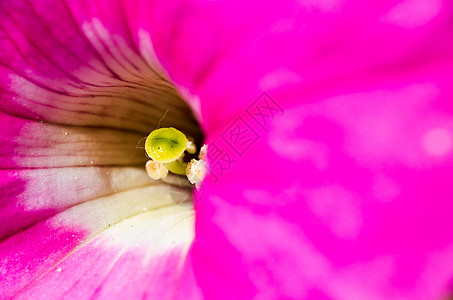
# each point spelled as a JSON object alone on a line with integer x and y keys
{"x": 196, "y": 171}
{"x": 203, "y": 152}
{"x": 156, "y": 170}
{"x": 191, "y": 147}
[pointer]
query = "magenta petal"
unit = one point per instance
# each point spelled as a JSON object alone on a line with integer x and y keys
{"x": 80, "y": 218}
{"x": 136, "y": 258}
{"x": 348, "y": 194}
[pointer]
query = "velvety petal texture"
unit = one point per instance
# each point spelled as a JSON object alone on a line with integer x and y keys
{"x": 336, "y": 183}
{"x": 80, "y": 218}
{"x": 330, "y": 129}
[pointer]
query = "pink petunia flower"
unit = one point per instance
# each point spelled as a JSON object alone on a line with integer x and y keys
{"x": 330, "y": 133}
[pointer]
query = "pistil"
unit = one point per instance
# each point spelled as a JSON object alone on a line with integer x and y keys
{"x": 167, "y": 148}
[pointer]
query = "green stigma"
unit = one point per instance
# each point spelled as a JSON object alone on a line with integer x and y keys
{"x": 165, "y": 145}
{"x": 177, "y": 166}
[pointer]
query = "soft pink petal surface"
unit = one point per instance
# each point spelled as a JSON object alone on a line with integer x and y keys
{"x": 78, "y": 212}
{"x": 344, "y": 194}
{"x": 348, "y": 194}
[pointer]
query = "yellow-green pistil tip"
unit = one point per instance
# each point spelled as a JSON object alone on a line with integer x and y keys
{"x": 165, "y": 145}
